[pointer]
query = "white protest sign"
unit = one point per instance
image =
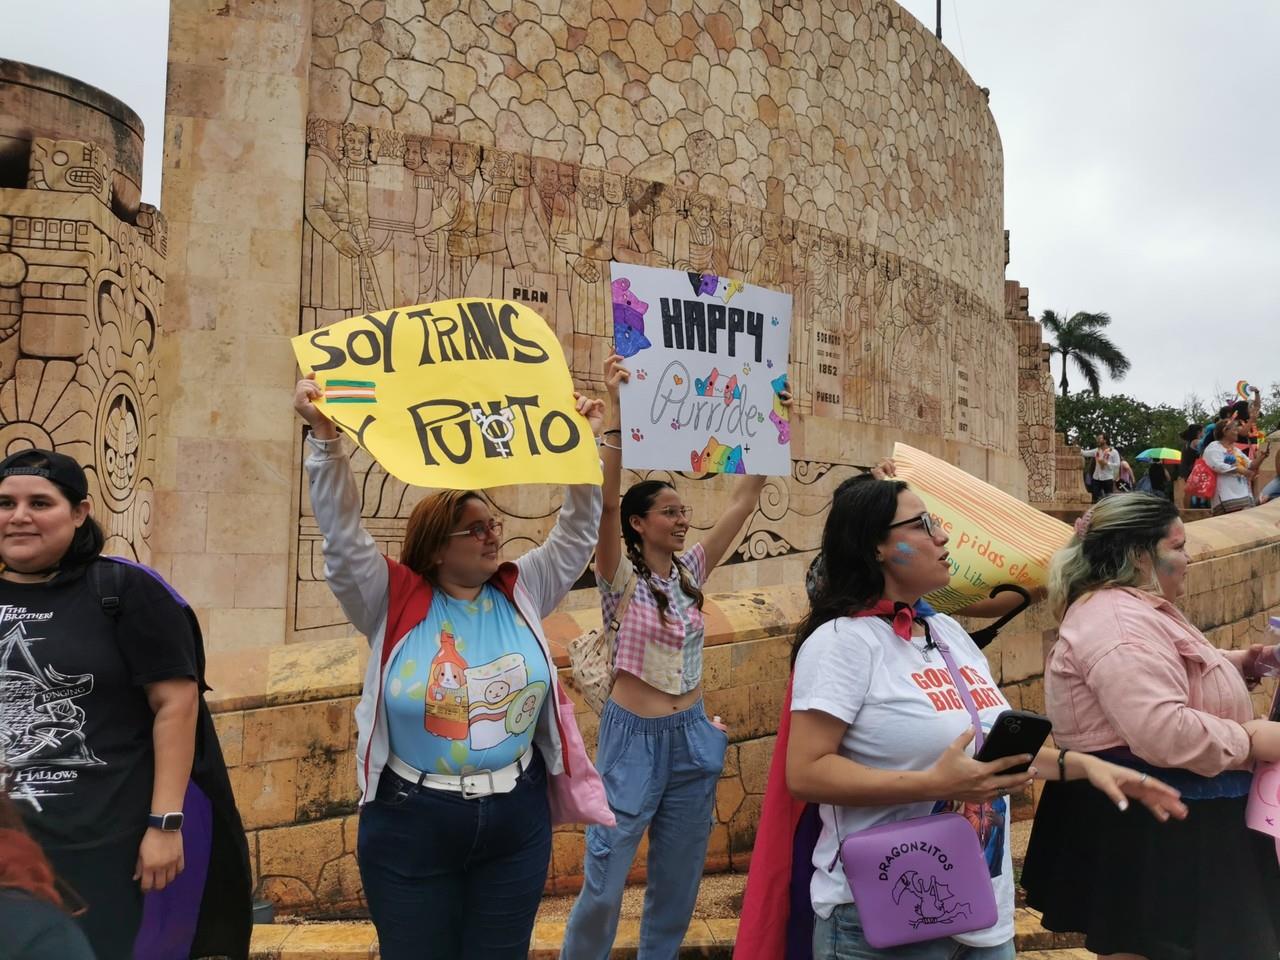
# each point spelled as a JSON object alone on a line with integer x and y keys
{"x": 708, "y": 358}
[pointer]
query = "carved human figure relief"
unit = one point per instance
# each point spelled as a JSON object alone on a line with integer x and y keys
{"x": 465, "y": 178}
{"x": 537, "y": 214}
{"x": 393, "y": 243}
{"x": 355, "y": 168}
{"x": 489, "y": 245}
{"x": 637, "y": 224}
{"x": 437, "y": 205}
{"x": 696, "y": 248}
{"x": 767, "y": 254}
{"x": 589, "y": 251}
{"x": 330, "y": 250}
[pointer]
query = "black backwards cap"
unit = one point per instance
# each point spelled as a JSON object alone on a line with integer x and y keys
{"x": 55, "y": 467}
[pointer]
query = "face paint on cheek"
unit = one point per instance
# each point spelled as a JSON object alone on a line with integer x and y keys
{"x": 903, "y": 555}
{"x": 1166, "y": 564}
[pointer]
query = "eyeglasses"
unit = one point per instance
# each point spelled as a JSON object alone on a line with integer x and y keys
{"x": 925, "y": 521}
{"x": 480, "y": 530}
{"x": 673, "y": 513}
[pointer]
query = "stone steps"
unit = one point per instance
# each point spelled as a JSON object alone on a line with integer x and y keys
{"x": 706, "y": 938}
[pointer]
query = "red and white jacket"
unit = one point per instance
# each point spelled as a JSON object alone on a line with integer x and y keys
{"x": 384, "y": 600}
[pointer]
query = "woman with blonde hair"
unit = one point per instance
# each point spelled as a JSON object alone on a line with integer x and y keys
{"x": 467, "y": 749}
{"x": 1130, "y": 680}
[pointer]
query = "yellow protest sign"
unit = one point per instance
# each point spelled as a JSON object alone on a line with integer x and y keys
{"x": 459, "y": 394}
{"x": 994, "y": 538}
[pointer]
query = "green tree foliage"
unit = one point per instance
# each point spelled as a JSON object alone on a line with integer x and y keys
{"x": 1081, "y": 340}
{"x": 1132, "y": 425}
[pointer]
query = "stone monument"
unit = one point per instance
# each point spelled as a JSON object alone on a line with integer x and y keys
{"x": 81, "y": 286}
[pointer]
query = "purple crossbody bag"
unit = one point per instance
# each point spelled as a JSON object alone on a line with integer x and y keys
{"x": 924, "y": 878}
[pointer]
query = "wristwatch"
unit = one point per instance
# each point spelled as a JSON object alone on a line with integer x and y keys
{"x": 168, "y": 822}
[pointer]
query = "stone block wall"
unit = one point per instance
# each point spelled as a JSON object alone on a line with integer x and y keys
{"x": 326, "y": 157}
{"x": 285, "y": 714}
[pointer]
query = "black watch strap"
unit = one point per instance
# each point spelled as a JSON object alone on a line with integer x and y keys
{"x": 168, "y": 822}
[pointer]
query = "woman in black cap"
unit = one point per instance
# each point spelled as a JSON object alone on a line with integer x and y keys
{"x": 106, "y": 739}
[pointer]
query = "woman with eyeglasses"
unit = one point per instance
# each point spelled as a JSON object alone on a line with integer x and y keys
{"x": 878, "y": 732}
{"x": 659, "y": 753}
{"x": 467, "y": 747}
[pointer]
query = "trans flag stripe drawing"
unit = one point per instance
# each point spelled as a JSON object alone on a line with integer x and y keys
{"x": 349, "y": 391}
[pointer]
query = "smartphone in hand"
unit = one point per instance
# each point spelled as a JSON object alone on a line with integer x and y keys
{"x": 1015, "y": 732}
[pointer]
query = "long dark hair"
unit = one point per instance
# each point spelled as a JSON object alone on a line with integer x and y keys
{"x": 636, "y": 502}
{"x": 850, "y": 577}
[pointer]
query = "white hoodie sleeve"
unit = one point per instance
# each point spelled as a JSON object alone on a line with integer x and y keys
{"x": 549, "y": 570}
{"x": 354, "y": 567}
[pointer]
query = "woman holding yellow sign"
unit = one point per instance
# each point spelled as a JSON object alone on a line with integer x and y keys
{"x": 467, "y": 751}
{"x": 659, "y": 753}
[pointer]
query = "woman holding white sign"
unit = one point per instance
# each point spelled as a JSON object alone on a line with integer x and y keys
{"x": 467, "y": 751}
{"x": 659, "y": 753}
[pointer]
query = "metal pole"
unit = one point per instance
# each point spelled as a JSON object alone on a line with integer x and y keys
{"x": 939, "y": 19}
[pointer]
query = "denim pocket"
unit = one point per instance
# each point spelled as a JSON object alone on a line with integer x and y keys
{"x": 393, "y": 790}
{"x": 707, "y": 745}
{"x": 626, "y": 769}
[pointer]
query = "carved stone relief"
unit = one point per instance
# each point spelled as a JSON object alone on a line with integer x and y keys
{"x": 80, "y": 291}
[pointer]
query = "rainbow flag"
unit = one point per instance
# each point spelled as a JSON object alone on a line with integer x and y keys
{"x": 349, "y": 391}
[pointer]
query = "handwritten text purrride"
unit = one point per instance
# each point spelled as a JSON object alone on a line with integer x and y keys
{"x": 676, "y": 401}
{"x": 447, "y": 426}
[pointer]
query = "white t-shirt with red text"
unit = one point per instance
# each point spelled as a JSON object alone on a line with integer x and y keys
{"x": 903, "y": 711}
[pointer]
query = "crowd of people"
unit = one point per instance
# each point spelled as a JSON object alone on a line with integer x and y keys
{"x": 469, "y": 754}
{"x": 1235, "y": 453}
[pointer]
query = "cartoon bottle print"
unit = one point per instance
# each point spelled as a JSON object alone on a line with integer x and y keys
{"x": 445, "y": 711}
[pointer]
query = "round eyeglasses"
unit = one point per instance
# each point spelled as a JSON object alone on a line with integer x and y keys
{"x": 674, "y": 513}
{"x": 480, "y": 530}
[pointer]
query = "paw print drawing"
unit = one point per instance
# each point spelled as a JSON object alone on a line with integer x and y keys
{"x": 769, "y": 364}
{"x": 642, "y": 374}
{"x": 746, "y": 369}
{"x": 773, "y": 322}
{"x": 636, "y": 435}
{"x": 675, "y": 424}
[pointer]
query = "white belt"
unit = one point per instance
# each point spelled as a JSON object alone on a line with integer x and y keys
{"x": 481, "y": 783}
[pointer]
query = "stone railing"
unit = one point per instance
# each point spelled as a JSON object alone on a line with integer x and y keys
{"x": 285, "y": 714}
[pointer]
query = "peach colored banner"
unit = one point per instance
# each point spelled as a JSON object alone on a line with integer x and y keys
{"x": 995, "y": 538}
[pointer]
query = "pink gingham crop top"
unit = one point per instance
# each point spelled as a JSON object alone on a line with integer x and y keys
{"x": 665, "y": 653}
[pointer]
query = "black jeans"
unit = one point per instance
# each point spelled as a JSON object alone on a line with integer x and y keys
{"x": 101, "y": 878}
{"x": 452, "y": 878}
{"x": 1102, "y": 488}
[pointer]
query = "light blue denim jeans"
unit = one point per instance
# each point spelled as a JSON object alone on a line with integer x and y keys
{"x": 659, "y": 773}
{"x": 840, "y": 938}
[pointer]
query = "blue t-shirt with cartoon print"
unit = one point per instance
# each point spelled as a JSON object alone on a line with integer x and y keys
{"x": 465, "y": 688}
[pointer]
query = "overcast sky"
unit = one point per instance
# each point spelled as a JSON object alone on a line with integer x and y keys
{"x": 1140, "y": 149}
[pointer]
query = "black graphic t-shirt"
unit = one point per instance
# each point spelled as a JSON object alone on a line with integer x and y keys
{"x": 75, "y": 726}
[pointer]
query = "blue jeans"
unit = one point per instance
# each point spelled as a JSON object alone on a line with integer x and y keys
{"x": 840, "y": 938}
{"x": 1271, "y": 490}
{"x": 452, "y": 878}
{"x": 659, "y": 773}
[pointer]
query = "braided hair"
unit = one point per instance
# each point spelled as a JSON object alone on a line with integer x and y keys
{"x": 636, "y": 502}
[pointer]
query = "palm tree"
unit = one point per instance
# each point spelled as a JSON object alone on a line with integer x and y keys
{"x": 1081, "y": 339}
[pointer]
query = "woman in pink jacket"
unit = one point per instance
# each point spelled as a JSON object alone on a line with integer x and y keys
{"x": 1131, "y": 680}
